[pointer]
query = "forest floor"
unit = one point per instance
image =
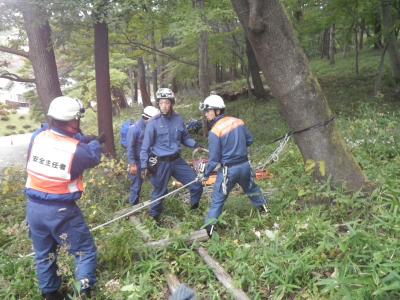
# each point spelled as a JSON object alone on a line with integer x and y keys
{"x": 316, "y": 243}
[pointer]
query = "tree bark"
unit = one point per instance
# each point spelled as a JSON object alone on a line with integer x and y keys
{"x": 390, "y": 38}
{"x": 325, "y": 43}
{"x": 377, "y": 31}
{"x": 41, "y": 52}
{"x": 362, "y": 31}
{"x": 142, "y": 83}
{"x": 203, "y": 57}
{"x": 103, "y": 92}
{"x": 119, "y": 97}
{"x": 303, "y": 104}
{"x": 357, "y": 50}
{"x": 154, "y": 73}
{"x": 133, "y": 84}
{"x": 332, "y": 48}
{"x": 254, "y": 69}
{"x": 203, "y": 63}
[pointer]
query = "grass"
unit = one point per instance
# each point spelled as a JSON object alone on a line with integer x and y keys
{"x": 13, "y": 123}
{"x": 317, "y": 243}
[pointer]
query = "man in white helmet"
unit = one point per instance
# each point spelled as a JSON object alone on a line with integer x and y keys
{"x": 134, "y": 143}
{"x": 57, "y": 157}
{"x": 228, "y": 140}
{"x": 162, "y": 143}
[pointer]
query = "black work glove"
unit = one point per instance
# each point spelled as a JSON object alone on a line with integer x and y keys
{"x": 143, "y": 174}
{"x": 101, "y": 138}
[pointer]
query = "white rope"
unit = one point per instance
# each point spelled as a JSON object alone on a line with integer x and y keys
{"x": 136, "y": 209}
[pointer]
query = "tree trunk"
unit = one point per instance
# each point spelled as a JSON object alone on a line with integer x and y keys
{"x": 154, "y": 56}
{"x": 203, "y": 58}
{"x": 303, "y": 104}
{"x": 119, "y": 97}
{"x": 132, "y": 75}
{"x": 357, "y": 54}
{"x": 390, "y": 38}
{"x": 325, "y": 43}
{"x": 377, "y": 32}
{"x": 103, "y": 93}
{"x": 142, "y": 83}
{"x": 254, "y": 69}
{"x": 362, "y": 31}
{"x": 41, "y": 52}
{"x": 203, "y": 63}
{"x": 332, "y": 48}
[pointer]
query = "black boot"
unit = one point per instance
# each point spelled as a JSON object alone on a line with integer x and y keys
{"x": 86, "y": 294}
{"x": 210, "y": 229}
{"x": 53, "y": 296}
{"x": 263, "y": 209}
{"x": 195, "y": 206}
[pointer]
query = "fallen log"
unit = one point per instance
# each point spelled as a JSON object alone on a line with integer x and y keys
{"x": 222, "y": 276}
{"x": 197, "y": 236}
{"x": 173, "y": 283}
{"x": 141, "y": 228}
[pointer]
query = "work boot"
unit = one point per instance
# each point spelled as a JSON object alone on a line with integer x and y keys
{"x": 157, "y": 220}
{"x": 85, "y": 294}
{"x": 210, "y": 229}
{"x": 263, "y": 209}
{"x": 195, "y": 206}
{"x": 53, "y": 296}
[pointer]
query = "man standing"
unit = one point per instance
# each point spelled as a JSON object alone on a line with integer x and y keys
{"x": 57, "y": 157}
{"x": 162, "y": 144}
{"x": 228, "y": 140}
{"x": 134, "y": 143}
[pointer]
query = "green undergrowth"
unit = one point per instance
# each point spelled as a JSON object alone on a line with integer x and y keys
{"x": 316, "y": 243}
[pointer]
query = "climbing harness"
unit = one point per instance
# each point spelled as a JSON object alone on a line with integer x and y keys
{"x": 225, "y": 180}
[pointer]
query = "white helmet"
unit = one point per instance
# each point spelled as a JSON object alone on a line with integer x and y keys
{"x": 212, "y": 102}
{"x": 65, "y": 108}
{"x": 165, "y": 93}
{"x": 150, "y": 112}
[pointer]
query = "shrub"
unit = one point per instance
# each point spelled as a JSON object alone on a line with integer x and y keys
{"x": 4, "y": 118}
{"x": 3, "y": 112}
{"x": 26, "y": 126}
{"x": 11, "y": 127}
{"x": 21, "y": 117}
{"x": 13, "y": 111}
{"x": 21, "y": 131}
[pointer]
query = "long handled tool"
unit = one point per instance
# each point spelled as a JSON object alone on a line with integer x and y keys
{"x": 136, "y": 209}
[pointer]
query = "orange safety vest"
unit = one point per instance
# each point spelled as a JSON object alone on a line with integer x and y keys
{"x": 226, "y": 125}
{"x": 49, "y": 164}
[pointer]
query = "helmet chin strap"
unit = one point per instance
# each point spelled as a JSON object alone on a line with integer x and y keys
{"x": 71, "y": 128}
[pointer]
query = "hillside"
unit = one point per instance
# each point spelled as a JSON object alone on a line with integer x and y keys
{"x": 316, "y": 243}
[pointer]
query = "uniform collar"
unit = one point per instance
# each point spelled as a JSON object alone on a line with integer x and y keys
{"x": 212, "y": 123}
{"x": 61, "y": 132}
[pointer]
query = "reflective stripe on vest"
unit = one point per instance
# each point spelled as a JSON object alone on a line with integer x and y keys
{"x": 49, "y": 164}
{"x": 226, "y": 125}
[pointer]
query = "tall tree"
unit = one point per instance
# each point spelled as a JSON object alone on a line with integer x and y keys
{"x": 41, "y": 53}
{"x": 142, "y": 83}
{"x": 203, "y": 54}
{"x": 390, "y": 37}
{"x": 254, "y": 69}
{"x": 303, "y": 103}
{"x": 103, "y": 90}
